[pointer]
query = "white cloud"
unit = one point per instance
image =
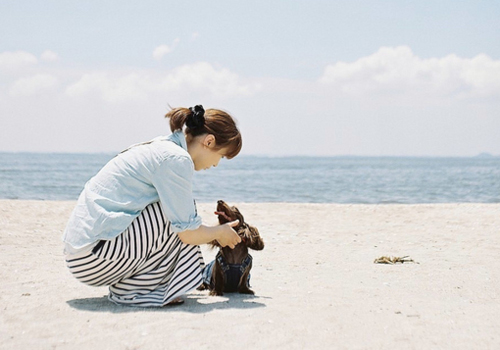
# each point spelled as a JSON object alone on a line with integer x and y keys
{"x": 162, "y": 50}
{"x": 32, "y": 85}
{"x": 49, "y": 56}
{"x": 400, "y": 70}
{"x": 15, "y": 60}
{"x": 203, "y": 76}
{"x": 131, "y": 86}
{"x": 200, "y": 77}
{"x": 195, "y": 36}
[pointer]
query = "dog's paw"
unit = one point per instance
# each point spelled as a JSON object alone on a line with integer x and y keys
{"x": 214, "y": 293}
{"x": 246, "y": 290}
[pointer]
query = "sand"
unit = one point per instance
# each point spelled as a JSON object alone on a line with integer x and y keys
{"x": 316, "y": 284}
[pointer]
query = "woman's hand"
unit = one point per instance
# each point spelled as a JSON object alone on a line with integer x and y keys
{"x": 227, "y": 236}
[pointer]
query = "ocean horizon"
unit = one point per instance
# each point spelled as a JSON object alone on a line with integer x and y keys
{"x": 256, "y": 178}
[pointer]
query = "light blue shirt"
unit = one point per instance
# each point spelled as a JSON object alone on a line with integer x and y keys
{"x": 159, "y": 170}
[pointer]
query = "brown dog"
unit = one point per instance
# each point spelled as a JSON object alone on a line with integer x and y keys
{"x": 230, "y": 271}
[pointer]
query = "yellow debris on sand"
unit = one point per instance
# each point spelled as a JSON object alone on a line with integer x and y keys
{"x": 393, "y": 260}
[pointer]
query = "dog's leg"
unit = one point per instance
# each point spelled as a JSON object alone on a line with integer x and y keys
{"x": 202, "y": 286}
{"x": 218, "y": 280}
{"x": 243, "y": 285}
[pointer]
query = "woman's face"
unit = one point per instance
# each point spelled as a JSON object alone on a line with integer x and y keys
{"x": 203, "y": 152}
{"x": 209, "y": 158}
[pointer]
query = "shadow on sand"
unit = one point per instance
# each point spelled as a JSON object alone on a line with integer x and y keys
{"x": 194, "y": 303}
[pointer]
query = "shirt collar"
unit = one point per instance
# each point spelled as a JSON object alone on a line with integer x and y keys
{"x": 179, "y": 139}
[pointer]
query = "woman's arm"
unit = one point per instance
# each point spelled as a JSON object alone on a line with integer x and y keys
{"x": 224, "y": 234}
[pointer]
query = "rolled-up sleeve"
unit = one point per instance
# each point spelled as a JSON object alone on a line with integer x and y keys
{"x": 173, "y": 180}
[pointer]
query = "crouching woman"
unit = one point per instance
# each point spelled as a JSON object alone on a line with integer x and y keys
{"x": 135, "y": 227}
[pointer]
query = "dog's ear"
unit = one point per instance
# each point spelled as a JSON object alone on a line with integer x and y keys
{"x": 254, "y": 242}
{"x": 239, "y": 215}
{"x": 214, "y": 244}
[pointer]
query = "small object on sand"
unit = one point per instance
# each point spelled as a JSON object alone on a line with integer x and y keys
{"x": 393, "y": 260}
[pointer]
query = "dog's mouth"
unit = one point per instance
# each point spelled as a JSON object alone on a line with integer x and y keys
{"x": 224, "y": 215}
{"x": 224, "y": 212}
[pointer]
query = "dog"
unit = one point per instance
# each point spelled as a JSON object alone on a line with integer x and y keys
{"x": 230, "y": 271}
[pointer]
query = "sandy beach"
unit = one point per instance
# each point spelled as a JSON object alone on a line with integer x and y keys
{"x": 316, "y": 284}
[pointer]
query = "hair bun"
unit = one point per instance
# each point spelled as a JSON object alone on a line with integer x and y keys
{"x": 196, "y": 120}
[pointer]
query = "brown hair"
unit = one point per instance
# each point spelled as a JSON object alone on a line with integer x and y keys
{"x": 217, "y": 123}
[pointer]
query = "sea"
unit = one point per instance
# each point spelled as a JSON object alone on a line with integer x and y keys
{"x": 355, "y": 180}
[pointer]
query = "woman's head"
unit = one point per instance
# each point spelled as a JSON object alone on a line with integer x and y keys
{"x": 214, "y": 128}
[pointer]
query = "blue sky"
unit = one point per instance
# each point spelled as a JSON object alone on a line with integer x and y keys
{"x": 302, "y": 77}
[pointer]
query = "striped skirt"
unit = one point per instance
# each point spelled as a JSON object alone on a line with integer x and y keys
{"x": 146, "y": 265}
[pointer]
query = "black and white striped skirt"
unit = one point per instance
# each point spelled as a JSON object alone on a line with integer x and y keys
{"x": 146, "y": 265}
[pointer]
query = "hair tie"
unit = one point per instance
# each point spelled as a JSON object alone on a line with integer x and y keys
{"x": 196, "y": 120}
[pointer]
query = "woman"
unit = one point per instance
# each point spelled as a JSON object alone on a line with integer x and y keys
{"x": 135, "y": 227}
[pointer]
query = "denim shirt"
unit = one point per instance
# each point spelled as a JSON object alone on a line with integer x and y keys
{"x": 159, "y": 170}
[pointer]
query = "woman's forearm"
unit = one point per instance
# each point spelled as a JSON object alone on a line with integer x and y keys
{"x": 201, "y": 235}
{"x": 224, "y": 234}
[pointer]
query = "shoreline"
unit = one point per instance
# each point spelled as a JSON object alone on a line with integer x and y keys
{"x": 316, "y": 284}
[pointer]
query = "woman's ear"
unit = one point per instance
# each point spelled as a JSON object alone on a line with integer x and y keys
{"x": 209, "y": 141}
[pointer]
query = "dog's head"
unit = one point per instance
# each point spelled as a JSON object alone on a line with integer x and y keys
{"x": 249, "y": 234}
